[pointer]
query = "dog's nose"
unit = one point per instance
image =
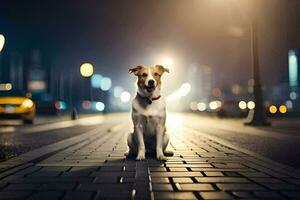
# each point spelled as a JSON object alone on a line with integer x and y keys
{"x": 151, "y": 82}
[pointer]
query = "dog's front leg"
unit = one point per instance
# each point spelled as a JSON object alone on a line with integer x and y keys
{"x": 140, "y": 139}
{"x": 159, "y": 143}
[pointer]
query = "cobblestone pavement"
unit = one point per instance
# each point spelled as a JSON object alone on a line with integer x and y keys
{"x": 93, "y": 166}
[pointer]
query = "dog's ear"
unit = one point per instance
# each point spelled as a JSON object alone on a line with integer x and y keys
{"x": 135, "y": 70}
{"x": 162, "y": 68}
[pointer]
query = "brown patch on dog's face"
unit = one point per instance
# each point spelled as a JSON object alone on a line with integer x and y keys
{"x": 142, "y": 73}
{"x": 157, "y": 71}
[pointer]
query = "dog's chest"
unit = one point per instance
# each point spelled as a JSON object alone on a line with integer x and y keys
{"x": 155, "y": 109}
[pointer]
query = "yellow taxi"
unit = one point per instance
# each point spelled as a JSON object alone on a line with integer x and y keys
{"x": 13, "y": 105}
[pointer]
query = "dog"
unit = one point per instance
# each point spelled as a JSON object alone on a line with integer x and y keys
{"x": 148, "y": 115}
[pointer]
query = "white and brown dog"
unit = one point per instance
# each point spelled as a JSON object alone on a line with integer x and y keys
{"x": 148, "y": 115}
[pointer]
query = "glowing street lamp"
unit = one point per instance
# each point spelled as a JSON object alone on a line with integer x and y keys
{"x": 2, "y": 42}
{"x": 86, "y": 70}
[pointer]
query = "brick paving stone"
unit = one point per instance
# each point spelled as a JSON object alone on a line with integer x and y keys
{"x": 243, "y": 194}
{"x": 213, "y": 173}
{"x": 102, "y": 187}
{"x": 73, "y": 195}
{"x": 182, "y": 180}
{"x": 175, "y": 174}
{"x": 292, "y": 194}
{"x": 215, "y": 195}
{"x": 14, "y": 195}
{"x": 267, "y": 180}
{"x": 221, "y": 180}
{"x": 175, "y": 195}
{"x": 268, "y": 195}
{"x": 254, "y": 174}
{"x": 178, "y": 169}
{"x": 281, "y": 186}
{"x": 240, "y": 187}
{"x": 105, "y": 179}
{"x": 195, "y": 187}
{"x": 48, "y": 195}
{"x": 159, "y": 180}
{"x": 162, "y": 187}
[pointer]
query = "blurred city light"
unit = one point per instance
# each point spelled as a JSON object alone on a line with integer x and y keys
{"x": 293, "y": 69}
{"x": 118, "y": 91}
{"x": 251, "y": 105}
{"x": 215, "y": 105}
{"x": 272, "y": 109}
{"x": 193, "y": 105}
{"x": 2, "y": 42}
{"x": 185, "y": 89}
{"x": 242, "y": 105}
{"x": 293, "y": 95}
{"x": 5, "y": 86}
{"x": 181, "y": 92}
{"x": 125, "y": 96}
{"x": 100, "y": 106}
{"x": 216, "y": 92}
{"x": 60, "y": 105}
{"x": 236, "y": 89}
{"x": 282, "y": 109}
{"x": 201, "y": 106}
{"x": 289, "y": 104}
{"x": 105, "y": 83}
{"x": 27, "y": 103}
{"x": 96, "y": 81}
{"x": 86, "y": 105}
{"x": 86, "y": 69}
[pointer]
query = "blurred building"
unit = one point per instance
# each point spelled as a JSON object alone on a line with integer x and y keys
{"x": 200, "y": 77}
{"x": 293, "y": 69}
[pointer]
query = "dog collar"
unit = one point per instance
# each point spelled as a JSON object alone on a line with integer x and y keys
{"x": 155, "y": 98}
{"x": 149, "y": 100}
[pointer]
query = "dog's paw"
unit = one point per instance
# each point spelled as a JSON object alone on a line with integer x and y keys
{"x": 140, "y": 156}
{"x": 161, "y": 157}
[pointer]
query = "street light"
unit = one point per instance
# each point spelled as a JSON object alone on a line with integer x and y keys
{"x": 2, "y": 42}
{"x": 256, "y": 116}
{"x": 86, "y": 70}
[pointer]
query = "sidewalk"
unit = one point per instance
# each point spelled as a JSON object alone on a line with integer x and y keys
{"x": 93, "y": 166}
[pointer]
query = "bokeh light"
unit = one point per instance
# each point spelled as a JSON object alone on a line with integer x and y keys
{"x": 282, "y": 109}
{"x": 242, "y": 105}
{"x": 193, "y": 105}
{"x": 2, "y": 42}
{"x": 201, "y": 106}
{"x": 86, "y": 69}
{"x": 272, "y": 109}
{"x": 118, "y": 91}
{"x": 251, "y": 105}
{"x": 100, "y": 106}
{"x": 105, "y": 83}
{"x": 125, "y": 96}
{"x": 293, "y": 95}
{"x": 96, "y": 81}
{"x": 185, "y": 89}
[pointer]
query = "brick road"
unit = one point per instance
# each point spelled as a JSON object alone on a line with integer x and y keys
{"x": 93, "y": 166}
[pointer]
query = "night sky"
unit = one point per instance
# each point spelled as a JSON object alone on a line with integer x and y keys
{"x": 115, "y": 35}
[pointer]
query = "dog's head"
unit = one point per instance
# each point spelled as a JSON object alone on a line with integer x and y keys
{"x": 149, "y": 78}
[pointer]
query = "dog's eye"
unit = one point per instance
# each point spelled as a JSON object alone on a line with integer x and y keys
{"x": 144, "y": 75}
{"x": 156, "y": 74}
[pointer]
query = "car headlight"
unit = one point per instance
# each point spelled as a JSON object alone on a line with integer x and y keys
{"x": 27, "y": 103}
